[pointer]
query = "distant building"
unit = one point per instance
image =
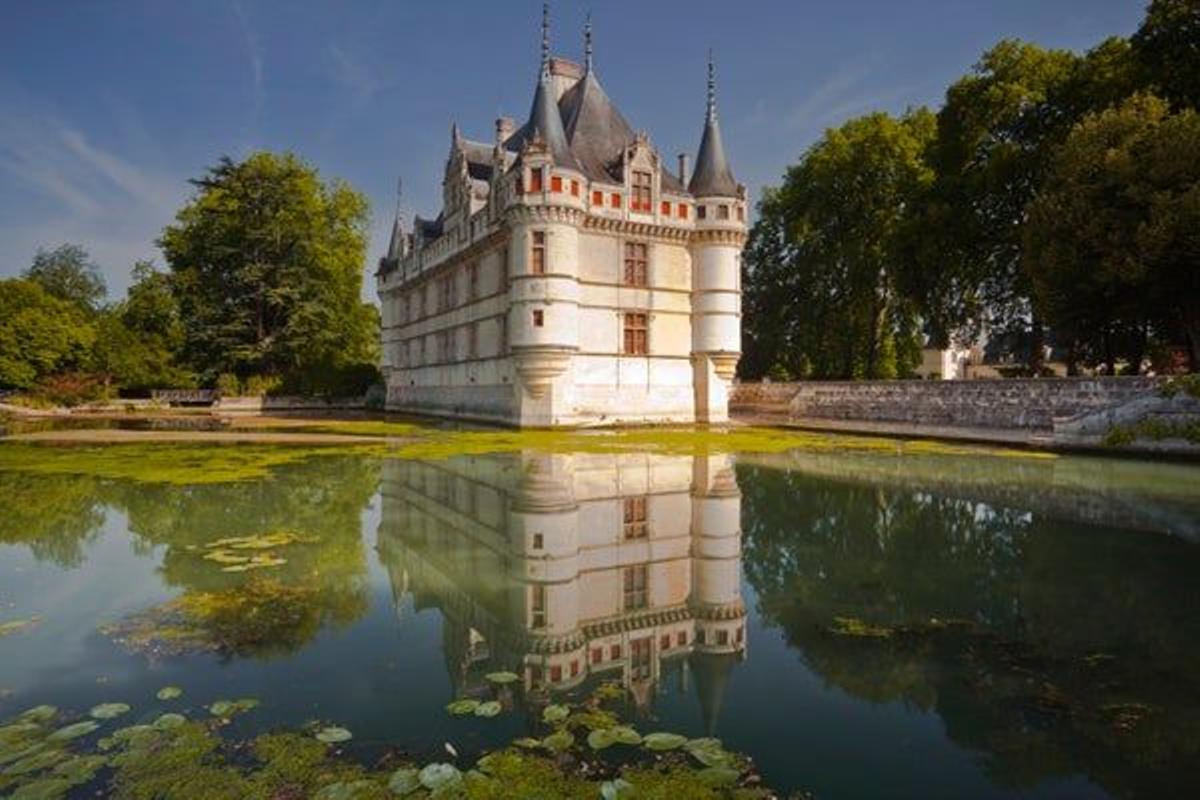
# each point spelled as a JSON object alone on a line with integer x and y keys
{"x": 571, "y": 278}
{"x": 569, "y": 568}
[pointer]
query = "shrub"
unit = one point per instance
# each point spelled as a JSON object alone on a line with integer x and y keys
{"x": 228, "y": 385}
{"x": 261, "y": 385}
{"x": 72, "y": 389}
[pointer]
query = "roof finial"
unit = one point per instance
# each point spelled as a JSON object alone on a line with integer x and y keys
{"x": 399, "y": 194}
{"x": 545, "y": 40}
{"x": 587, "y": 43}
{"x": 711, "y": 108}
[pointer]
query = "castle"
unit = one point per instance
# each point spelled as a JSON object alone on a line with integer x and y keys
{"x": 571, "y": 277}
{"x": 572, "y": 569}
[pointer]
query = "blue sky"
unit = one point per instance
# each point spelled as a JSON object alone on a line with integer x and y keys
{"x": 106, "y": 108}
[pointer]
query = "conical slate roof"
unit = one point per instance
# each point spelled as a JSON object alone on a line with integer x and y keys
{"x": 545, "y": 120}
{"x": 712, "y": 176}
{"x": 595, "y": 129}
{"x": 396, "y": 243}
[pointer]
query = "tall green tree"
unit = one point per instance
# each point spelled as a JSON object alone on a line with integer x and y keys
{"x": 266, "y": 262}
{"x": 68, "y": 273}
{"x": 1114, "y": 237}
{"x": 1167, "y": 48}
{"x": 40, "y": 334}
{"x": 821, "y": 271}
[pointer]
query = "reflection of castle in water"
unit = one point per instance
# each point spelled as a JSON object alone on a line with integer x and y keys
{"x": 562, "y": 568}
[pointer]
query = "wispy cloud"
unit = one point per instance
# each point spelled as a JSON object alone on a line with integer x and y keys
{"x": 353, "y": 74}
{"x": 255, "y": 54}
{"x": 850, "y": 90}
{"x": 61, "y": 186}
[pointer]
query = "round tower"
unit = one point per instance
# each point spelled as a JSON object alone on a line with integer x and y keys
{"x": 716, "y": 248}
{"x": 717, "y": 605}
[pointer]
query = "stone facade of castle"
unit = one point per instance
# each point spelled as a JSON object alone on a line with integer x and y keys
{"x": 572, "y": 277}
{"x": 566, "y": 569}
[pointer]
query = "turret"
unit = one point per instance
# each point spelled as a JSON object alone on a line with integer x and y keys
{"x": 717, "y": 243}
{"x": 543, "y": 327}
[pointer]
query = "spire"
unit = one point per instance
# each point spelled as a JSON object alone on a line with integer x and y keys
{"x": 546, "y": 40}
{"x": 587, "y": 44}
{"x": 396, "y": 243}
{"x": 545, "y": 120}
{"x": 712, "y": 176}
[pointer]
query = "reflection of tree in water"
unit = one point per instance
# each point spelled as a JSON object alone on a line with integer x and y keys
{"x": 1071, "y": 648}
{"x": 261, "y": 612}
{"x": 55, "y": 516}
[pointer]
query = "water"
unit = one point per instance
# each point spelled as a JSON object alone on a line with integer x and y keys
{"x": 1034, "y": 624}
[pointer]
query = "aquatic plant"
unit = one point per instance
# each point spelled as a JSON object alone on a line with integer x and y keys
{"x": 17, "y": 626}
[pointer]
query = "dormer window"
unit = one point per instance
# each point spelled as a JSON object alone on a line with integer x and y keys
{"x": 641, "y": 191}
{"x": 664, "y": 208}
{"x": 535, "y": 180}
{"x": 701, "y": 212}
{"x": 597, "y": 198}
{"x": 556, "y": 183}
{"x": 722, "y": 212}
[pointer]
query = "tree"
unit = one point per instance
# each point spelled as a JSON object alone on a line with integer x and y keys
{"x": 68, "y": 273}
{"x": 995, "y": 134}
{"x": 1167, "y": 48}
{"x": 821, "y": 268}
{"x": 266, "y": 263}
{"x": 40, "y": 334}
{"x": 1114, "y": 238}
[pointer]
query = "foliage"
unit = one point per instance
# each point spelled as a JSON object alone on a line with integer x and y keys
{"x": 821, "y": 266}
{"x": 1167, "y": 50}
{"x": 1114, "y": 238}
{"x": 68, "y": 273}
{"x": 266, "y": 264}
{"x": 40, "y": 334}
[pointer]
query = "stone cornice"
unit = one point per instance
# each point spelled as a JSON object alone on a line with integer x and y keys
{"x": 525, "y": 214}
{"x": 727, "y": 236}
{"x": 637, "y": 228}
{"x": 471, "y": 251}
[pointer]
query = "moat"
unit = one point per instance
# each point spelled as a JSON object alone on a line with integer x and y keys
{"x": 861, "y": 619}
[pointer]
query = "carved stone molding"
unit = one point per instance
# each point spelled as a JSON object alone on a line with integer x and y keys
{"x": 538, "y": 365}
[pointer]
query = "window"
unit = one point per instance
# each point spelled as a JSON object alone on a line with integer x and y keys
{"x": 472, "y": 283}
{"x": 472, "y": 341}
{"x": 537, "y": 603}
{"x": 722, "y": 212}
{"x": 664, "y": 642}
{"x": 701, "y": 212}
{"x": 597, "y": 655}
{"x": 641, "y": 191}
{"x": 535, "y": 180}
{"x": 446, "y": 289}
{"x": 539, "y": 318}
{"x": 635, "y": 263}
{"x": 614, "y": 652}
{"x": 597, "y": 198}
{"x": 502, "y": 349}
{"x": 740, "y": 635}
{"x": 664, "y": 208}
{"x": 421, "y": 303}
{"x": 556, "y": 673}
{"x": 574, "y": 188}
{"x": 635, "y": 517}
{"x": 700, "y": 638}
{"x": 556, "y": 183}
{"x": 635, "y": 587}
{"x": 635, "y": 334}
{"x": 741, "y": 213}
{"x": 681, "y": 639}
{"x": 614, "y": 200}
{"x": 639, "y": 667}
{"x": 537, "y": 261}
{"x": 722, "y": 637}
{"x": 574, "y": 668}
{"x": 683, "y": 211}
{"x": 538, "y": 541}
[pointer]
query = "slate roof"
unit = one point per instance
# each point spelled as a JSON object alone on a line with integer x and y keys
{"x": 595, "y": 129}
{"x": 712, "y": 176}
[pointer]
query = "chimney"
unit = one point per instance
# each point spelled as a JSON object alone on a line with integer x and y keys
{"x": 683, "y": 168}
{"x": 504, "y": 128}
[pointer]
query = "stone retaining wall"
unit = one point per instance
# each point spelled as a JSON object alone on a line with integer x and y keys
{"x": 995, "y": 404}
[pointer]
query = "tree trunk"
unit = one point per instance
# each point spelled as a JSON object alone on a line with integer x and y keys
{"x": 1073, "y": 358}
{"x": 1037, "y": 341}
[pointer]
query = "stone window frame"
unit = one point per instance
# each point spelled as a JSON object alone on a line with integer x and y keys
{"x": 641, "y": 191}
{"x": 633, "y": 323}
{"x": 635, "y": 581}
{"x": 537, "y": 606}
{"x": 630, "y": 264}
{"x": 636, "y": 523}
{"x": 537, "y": 252}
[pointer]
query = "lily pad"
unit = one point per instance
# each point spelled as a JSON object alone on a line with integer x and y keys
{"x": 436, "y": 776}
{"x": 74, "y": 731}
{"x": 601, "y": 739}
{"x": 43, "y": 759}
{"x": 344, "y": 790}
{"x": 334, "y": 735}
{"x": 623, "y": 734}
{"x": 527, "y": 743}
{"x": 663, "y": 741}
{"x": 7, "y": 757}
{"x": 616, "y": 789}
{"x": 227, "y": 708}
{"x": 718, "y": 777}
{"x": 559, "y": 741}
{"x": 555, "y": 713}
{"x": 461, "y": 708}
{"x": 38, "y": 714}
{"x": 489, "y": 709}
{"x": 109, "y": 710}
{"x": 404, "y": 781}
{"x": 80, "y": 769}
{"x": 167, "y": 722}
{"x": 502, "y": 677}
{"x": 225, "y": 557}
{"x": 710, "y": 753}
{"x": 169, "y": 693}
